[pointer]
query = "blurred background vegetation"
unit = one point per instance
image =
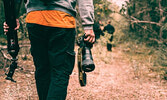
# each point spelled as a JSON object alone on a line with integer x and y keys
{"x": 147, "y": 31}
{"x": 141, "y": 30}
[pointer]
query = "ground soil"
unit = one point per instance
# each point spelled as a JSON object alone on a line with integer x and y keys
{"x": 115, "y": 80}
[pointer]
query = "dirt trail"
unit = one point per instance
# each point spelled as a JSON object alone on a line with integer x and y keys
{"x": 113, "y": 81}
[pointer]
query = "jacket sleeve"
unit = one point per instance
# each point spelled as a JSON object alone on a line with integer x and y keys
{"x": 86, "y": 12}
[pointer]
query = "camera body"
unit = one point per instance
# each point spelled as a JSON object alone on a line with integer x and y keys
{"x": 87, "y": 59}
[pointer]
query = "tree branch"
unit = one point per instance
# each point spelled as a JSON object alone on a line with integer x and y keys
{"x": 135, "y": 20}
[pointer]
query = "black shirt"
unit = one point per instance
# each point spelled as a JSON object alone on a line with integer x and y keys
{"x": 109, "y": 28}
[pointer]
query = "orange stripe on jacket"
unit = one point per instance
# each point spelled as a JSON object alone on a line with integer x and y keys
{"x": 51, "y": 18}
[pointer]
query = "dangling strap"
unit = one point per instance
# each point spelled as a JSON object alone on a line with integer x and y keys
{"x": 82, "y": 74}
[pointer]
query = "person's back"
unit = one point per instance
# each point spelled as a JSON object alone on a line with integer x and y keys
{"x": 109, "y": 28}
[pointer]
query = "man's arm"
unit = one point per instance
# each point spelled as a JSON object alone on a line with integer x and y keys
{"x": 17, "y": 10}
{"x": 86, "y": 12}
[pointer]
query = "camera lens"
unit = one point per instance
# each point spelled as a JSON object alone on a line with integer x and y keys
{"x": 87, "y": 60}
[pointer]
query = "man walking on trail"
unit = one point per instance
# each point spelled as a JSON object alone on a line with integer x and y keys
{"x": 110, "y": 29}
{"x": 51, "y": 27}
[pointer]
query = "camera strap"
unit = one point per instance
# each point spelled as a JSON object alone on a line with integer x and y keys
{"x": 82, "y": 74}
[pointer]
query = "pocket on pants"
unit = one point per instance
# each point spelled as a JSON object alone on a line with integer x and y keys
{"x": 69, "y": 62}
{"x": 64, "y": 62}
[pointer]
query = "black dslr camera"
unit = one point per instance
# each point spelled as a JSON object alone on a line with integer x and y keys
{"x": 85, "y": 59}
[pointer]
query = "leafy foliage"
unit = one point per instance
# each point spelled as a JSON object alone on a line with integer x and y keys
{"x": 148, "y": 25}
{"x": 102, "y": 9}
{"x": 147, "y": 19}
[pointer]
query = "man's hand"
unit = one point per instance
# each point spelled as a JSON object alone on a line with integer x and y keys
{"x": 90, "y": 36}
{"x": 6, "y": 27}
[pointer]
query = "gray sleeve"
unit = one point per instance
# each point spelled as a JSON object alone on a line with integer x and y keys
{"x": 86, "y": 12}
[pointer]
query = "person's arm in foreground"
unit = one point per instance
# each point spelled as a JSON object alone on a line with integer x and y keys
{"x": 86, "y": 11}
{"x": 17, "y": 10}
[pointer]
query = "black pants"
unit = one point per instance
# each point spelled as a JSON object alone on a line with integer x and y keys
{"x": 109, "y": 46}
{"x": 53, "y": 55}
